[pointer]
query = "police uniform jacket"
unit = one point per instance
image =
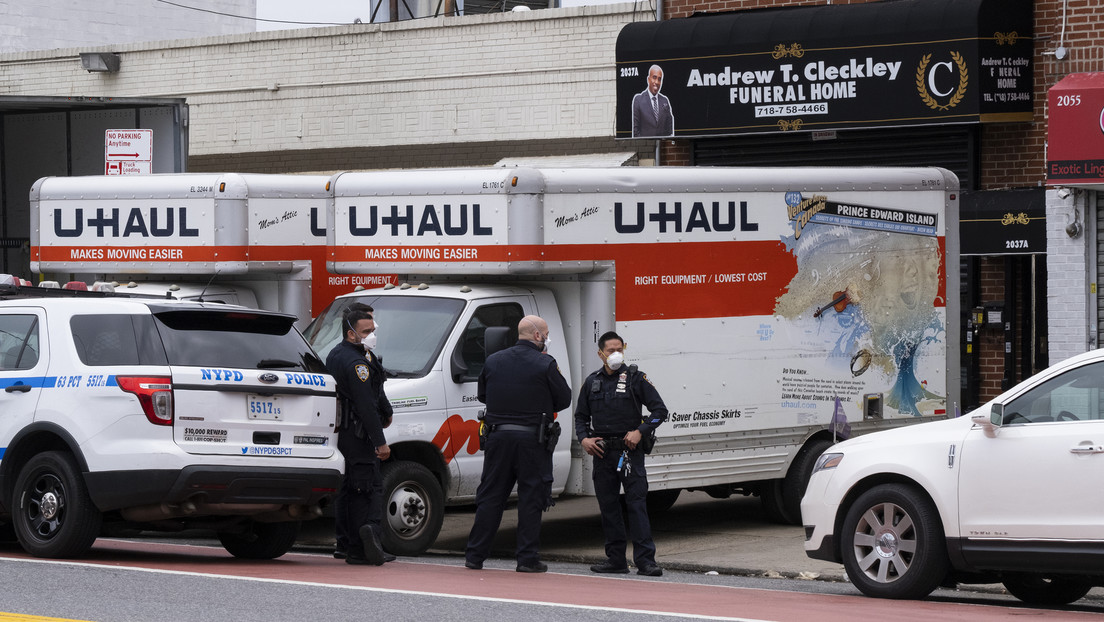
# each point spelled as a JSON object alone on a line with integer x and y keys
{"x": 361, "y": 398}
{"x": 610, "y": 404}
{"x": 520, "y": 384}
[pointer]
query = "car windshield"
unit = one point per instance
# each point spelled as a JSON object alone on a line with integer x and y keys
{"x": 411, "y": 332}
{"x": 242, "y": 339}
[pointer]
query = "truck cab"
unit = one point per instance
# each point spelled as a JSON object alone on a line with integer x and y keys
{"x": 431, "y": 342}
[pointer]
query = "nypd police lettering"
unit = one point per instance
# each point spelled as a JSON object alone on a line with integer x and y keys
{"x": 312, "y": 380}
{"x": 225, "y": 375}
{"x": 163, "y": 222}
{"x": 665, "y": 214}
{"x": 407, "y": 221}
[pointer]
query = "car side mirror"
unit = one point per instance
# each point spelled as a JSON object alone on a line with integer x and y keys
{"x": 991, "y": 424}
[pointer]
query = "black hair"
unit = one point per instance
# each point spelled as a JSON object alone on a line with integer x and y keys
{"x": 356, "y": 312}
{"x": 608, "y": 335}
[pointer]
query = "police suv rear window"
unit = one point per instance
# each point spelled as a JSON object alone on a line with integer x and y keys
{"x": 239, "y": 339}
{"x": 114, "y": 339}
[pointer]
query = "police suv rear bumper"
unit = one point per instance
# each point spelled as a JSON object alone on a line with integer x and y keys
{"x": 206, "y": 490}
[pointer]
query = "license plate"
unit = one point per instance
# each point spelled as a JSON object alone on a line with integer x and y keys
{"x": 263, "y": 407}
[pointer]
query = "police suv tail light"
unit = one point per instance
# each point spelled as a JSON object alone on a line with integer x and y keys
{"x": 154, "y": 394}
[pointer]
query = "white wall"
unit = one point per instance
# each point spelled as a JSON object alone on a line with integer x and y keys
{"x": 1068, "y": 276}
{"x": 52, "y": 24}
{"x": 528, "y": 76}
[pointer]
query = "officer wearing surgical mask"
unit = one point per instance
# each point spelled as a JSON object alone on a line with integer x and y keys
{"x": 609, "y": 426}
{"x": 363, "y": 412}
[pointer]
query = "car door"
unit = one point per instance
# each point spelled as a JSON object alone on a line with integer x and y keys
{"x": 23, "y": 365}
{"x": 1031, "y": 493}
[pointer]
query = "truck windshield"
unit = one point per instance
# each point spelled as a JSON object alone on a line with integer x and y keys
{"x": 411, "y": 335}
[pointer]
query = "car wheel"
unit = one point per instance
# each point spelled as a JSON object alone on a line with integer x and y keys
{"x": 892, "y": 543}
{"x": 54, "y": 516}
{"x": 659, "y": 501}
{"x": 797, "y": 479}
{"x": 414, "y": 508}
{"x": 1046, "y": 590}
{"x": 261, "y": 540}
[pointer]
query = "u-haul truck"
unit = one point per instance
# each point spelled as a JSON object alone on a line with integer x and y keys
{"x": 752, "y": 298}
{"x": 243, "y": 238}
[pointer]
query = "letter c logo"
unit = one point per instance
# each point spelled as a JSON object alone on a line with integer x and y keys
{"x": 931, "y": 78}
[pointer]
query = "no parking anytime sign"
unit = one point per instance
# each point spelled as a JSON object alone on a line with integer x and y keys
{"x": 128, "y": 152}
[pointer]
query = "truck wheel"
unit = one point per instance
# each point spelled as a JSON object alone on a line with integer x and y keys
{"x": 892, "y": 543}
{"x": 659, "y": 501}
{"x": 1046, "y": 590}
{"x": 54, "y": 516}
{"x": 414, "y": 508}
{"x": 797, "y": 478}
{"x": 261, "y": 540}
{"x": 774, "y": 506}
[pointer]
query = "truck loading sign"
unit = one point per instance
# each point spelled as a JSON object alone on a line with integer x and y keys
{"x": 128, "y": 152}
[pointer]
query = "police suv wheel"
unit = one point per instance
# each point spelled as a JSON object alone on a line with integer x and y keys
{"x": 414, "y": 508}
{"x": 54, "y": 515}
{"x": 261, "y": 540}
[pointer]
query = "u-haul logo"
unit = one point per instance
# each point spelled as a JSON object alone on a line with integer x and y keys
{"x": 152, "y": 222}
{"x": 428, "y": 220}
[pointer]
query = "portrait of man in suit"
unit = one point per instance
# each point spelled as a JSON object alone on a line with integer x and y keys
{"x": 651, "y": 110}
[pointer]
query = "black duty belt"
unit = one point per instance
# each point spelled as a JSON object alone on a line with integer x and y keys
{"x": 513, "y": 427}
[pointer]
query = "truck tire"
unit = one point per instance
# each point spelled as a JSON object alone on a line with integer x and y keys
{"x": 797, "y": 479}
{"x": 261, "y": 540}
{"x": 772, "y": 500}
{"x": 414, "y": 508}
{"x": 1047, "y": 590}
{"x": 54, "y": 516}
{"x": 659, "y": 501}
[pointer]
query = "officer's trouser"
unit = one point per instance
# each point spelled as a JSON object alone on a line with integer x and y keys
{"x": 360, "y": 499}
{"x": 607, "y": 484}
{"x": 511, "y": 457}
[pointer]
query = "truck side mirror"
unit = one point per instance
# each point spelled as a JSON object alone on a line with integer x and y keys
{"x": 494, "y": 339}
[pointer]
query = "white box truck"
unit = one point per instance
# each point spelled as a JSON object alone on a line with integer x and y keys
{"x": 764, "y": 304}
{"x": 256, "y": 240}
{"x": 753, "y": 298}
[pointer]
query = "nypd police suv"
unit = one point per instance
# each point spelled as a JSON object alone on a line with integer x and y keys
{"x": 158, "y": 414}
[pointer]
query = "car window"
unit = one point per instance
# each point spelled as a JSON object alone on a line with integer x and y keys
{"x": 471, "y": 347}
{"x": 104, "y": 339}
{"x": 242, "y": 339}
{"x": 1075, "y": 395}
{"x": 18, "y": 341}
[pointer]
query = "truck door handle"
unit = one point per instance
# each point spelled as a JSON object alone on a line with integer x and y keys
{"x": 22, "y": 388}
{"x": 1087, "y": 449}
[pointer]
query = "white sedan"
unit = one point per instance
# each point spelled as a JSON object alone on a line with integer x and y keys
{"x": 1012, "y": 493}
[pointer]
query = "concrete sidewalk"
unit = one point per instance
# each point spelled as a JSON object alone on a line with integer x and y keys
{"x": 699, "y": 533}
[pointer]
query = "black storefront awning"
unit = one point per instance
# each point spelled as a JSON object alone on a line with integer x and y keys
{"x": 826, "y": 67}
{"x": 1003, "y": 222}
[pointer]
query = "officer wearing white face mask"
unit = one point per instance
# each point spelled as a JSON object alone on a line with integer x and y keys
{"x": 609, "y": 426}
{"x": 363, "y": 412}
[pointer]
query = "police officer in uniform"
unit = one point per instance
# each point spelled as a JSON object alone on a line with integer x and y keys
{"x": 363, "y": 412}
{"x": 522, "y": 389}
{"x": 609, "y": 426}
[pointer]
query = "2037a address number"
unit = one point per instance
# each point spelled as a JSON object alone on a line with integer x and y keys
{"x": 1008, "y": 244}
